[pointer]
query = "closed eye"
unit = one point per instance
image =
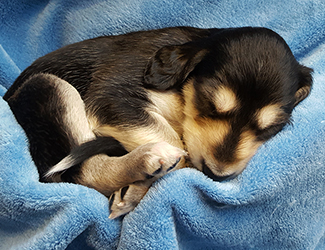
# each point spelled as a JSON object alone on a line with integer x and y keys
{"x": 213, "y": 113}
{"x": 269, "y": 132}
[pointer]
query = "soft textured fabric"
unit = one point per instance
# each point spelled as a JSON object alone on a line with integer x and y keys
{"x": 278, "y": 202}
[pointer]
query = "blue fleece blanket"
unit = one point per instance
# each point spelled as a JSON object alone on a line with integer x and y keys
{"x": 278, "y": 202}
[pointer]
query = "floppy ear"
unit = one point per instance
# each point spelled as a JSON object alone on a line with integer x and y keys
{"x": 171, "y": 65}
{"x": 305, "y": 84}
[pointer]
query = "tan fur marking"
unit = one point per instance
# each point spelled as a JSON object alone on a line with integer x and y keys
{"x": 189, "y": 93}
{"x": 131, "y": 138}
{"x": 168, "y": 104}
{"x": 247, "y": 145}
{"x": 268, "y": 115}
{"x": 201, "y": 135}
{"x": 225, "y": 99}
{"x": 166, "y": 111}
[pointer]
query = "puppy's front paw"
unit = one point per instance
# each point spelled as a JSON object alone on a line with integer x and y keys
{"x": 161, "y": 158}
{"x": 127, "y": 198}
{"x": 151, "y": 161}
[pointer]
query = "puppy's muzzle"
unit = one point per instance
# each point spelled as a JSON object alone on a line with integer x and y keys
{"x": 207, "y": 171}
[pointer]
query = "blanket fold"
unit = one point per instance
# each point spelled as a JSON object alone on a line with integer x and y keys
{"x": 278, "y": 202}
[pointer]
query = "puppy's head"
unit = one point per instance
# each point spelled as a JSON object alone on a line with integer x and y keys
{"x": 239, "y": 87}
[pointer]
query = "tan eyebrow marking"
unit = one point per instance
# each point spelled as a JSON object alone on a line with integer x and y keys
{"x": 268, "y": 115}
{"x": 225, "y": 99}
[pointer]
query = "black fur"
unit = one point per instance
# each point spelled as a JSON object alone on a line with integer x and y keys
{"x": 116, "y": 61}
{"x": 48, "y": 140}
{"x": 113, "y": 75}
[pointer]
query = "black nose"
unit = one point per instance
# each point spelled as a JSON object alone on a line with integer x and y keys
{"x": 207, "y": 171}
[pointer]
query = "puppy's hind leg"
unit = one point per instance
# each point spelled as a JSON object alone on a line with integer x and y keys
{"x": 52, "y": 113}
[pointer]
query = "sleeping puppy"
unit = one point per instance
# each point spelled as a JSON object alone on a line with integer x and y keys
{"x": 116, "y": 113}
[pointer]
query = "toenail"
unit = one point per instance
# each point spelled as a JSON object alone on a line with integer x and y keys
{"x": 149, "y": 176}
{"x": 121, "y": 204}
{"x": 174, "y": 165}
{"x": 157, "y": 171}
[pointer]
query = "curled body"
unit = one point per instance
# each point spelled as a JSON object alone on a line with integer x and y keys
{"x": 117, "y": 112}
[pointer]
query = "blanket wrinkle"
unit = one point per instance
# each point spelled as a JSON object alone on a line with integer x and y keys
{"x": 278, "y": 202}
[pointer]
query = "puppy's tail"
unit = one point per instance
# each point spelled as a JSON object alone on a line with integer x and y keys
{"x": 101, "y": 145}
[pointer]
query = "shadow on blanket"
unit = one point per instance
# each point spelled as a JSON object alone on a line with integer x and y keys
{"x": 278, "y": 202}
